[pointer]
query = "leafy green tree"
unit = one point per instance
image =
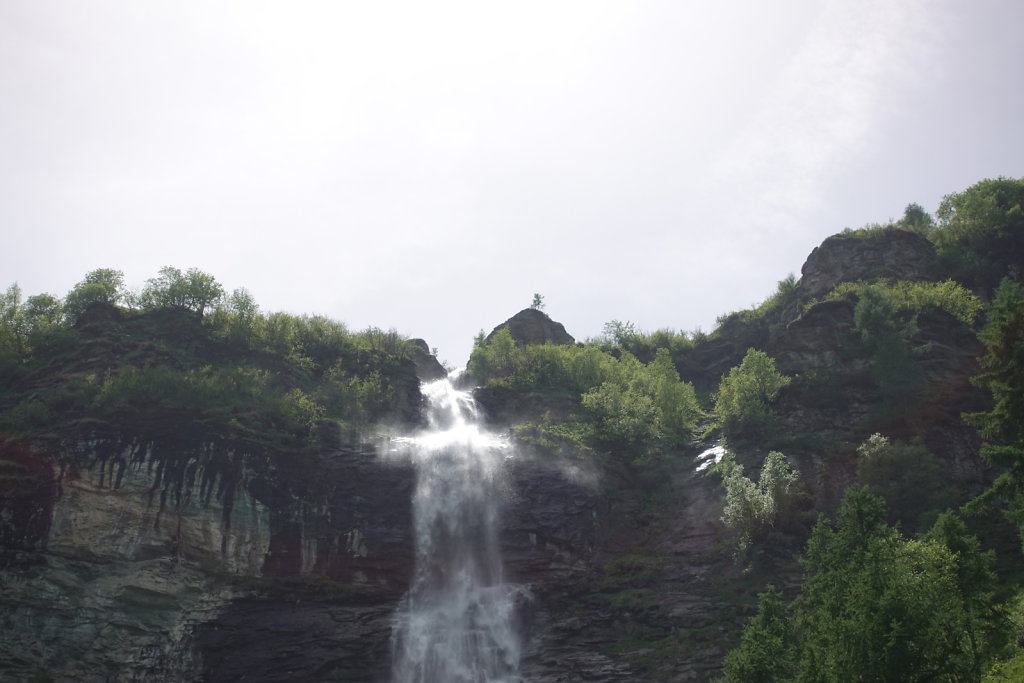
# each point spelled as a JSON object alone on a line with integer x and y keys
{"x": 627, "y": 417}
{"x": 744, "y": 397}
{"x": 1003, "y": 376}
{"x": 103, "y": 285}
{"x": 237, "y": 317}
{"x": 884, "y": 335}
{"x": 496, "y": 358}
{"x": 750, "y": 509}
{"x": 916, "y": 219}
{"x": 1002, "y": 426}
{"x": 768, "y": 645}
{"x": 637, "y": 410}
{"x": 12, "y": 345}
{"x": 875, "y": 606}
{"x": 538, "y": 302}
{"x": 192, "y": 290}
{"x": 981, "y": 231}
{"x": 43, "y": 317}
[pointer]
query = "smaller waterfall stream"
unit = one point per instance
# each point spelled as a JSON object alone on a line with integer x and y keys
{"x": 456, "y": 623}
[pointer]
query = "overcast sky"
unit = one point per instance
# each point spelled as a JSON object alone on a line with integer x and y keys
{"x": 428, "y": 166}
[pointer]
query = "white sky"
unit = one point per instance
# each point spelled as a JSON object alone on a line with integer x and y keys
{"x": 428, "y": 166}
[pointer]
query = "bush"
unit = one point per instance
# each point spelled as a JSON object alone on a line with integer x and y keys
{"x": 980, "y": 232}
{"x": 743, "y": 401}
{"x": 637, "y": 410}
{"x": 750, "y": 509}
{"x": 104, "y": 285}
{"x": 192, "y": 290}
{"x": 907, "y": 297}
{"x": 877, "y": 607}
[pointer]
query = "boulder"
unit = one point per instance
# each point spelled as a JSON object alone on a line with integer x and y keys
{"x": 428, "y": 368}
{"x": 862, "y": 255}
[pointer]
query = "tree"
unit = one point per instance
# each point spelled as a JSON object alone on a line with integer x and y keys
{"x": 875, "y": 606}
{"x": 1003, "y": 362}
{"x": 767, "y": 646}
{"x": 103, "y": 285}
{"x": 11, "y": 334}
{"x": 193, "y": 290}
{"x": 981, "y": 231}
{"x": 750, "y": 509}
{"x": 878, "y": 607}
{"x": 1002, "y": 426}
{"x": 915, "y": 218}
{"x": 538, "y": 303}
{"x": 746, "y": 392}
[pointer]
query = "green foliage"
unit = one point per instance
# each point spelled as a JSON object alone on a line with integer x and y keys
{"x": 28, "y": 328}
{"x": 878, "y": 607}
{"x": 641, "y": 404}
{"x": 1003, "y": 363}
{"x": 236, "y": 317}
{"x": 637, "y": 410}
{"x": 750, "y": 509}
{"x": 538, "y": 302}
{"x": 192, "y": 290}
{"x": 239, "y": 373}
{"x": 743, "y": 401}
{"x": 916, "y": 219}
{"x": 354, "y": 399}
{"x": 767, "y": 646}
{"x": 908, "y": 477}
{"x": 1003, "y": 425}
{"x": 885, "y": 320}
{"x": 104, "y": 285}
{"x": 1009, "y": 668}
{"x": 909, "y": 297}
{"x": 12, "y": 341}
{"x": 980, "y": 231}
{"x": 624, "y": 337}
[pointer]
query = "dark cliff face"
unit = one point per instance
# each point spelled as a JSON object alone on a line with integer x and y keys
{"x": 295, "y": 575}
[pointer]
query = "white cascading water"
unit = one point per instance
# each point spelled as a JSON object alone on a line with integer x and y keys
{"x": 457, "y": 623}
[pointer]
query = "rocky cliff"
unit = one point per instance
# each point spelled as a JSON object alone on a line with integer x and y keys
{"x": 161, "y": 547}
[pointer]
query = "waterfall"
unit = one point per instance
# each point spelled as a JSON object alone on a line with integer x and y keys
{"x": 456, "y": 624}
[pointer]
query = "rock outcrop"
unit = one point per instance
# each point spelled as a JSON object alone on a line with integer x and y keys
{"x": 428, "y": 368}
{"x": 863, "y": 255}
{"x": 533, "y": 326}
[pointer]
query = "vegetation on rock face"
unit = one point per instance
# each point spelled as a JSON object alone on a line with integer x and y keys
{"x": 184, "y": 353}
{"x": 743, "y": 401}
{"x": 752, "y": 510}
{"x": 621, "y": 405}
{"x": 876, "y": 606}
